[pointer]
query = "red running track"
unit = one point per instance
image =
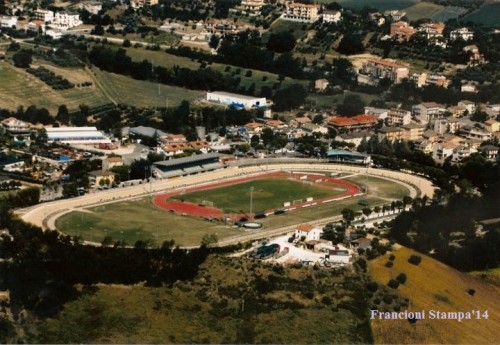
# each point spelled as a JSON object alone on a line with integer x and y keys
{"x": 191, "y": 209}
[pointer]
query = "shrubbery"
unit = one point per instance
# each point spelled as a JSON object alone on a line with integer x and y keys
{"x": 401, "y": 278}
{"x": 393, "y": 284}
{"x": 415, "y": 260}
{"x": 50, "y": 78}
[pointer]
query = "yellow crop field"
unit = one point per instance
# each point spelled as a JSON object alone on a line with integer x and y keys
{"x": 433, "y": 285}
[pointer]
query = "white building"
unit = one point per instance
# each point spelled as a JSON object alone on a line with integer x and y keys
{"x": 142, "y": 3}
{"x": 399, "y": 117}
{"x": 76, "y": 135}
{"x": 308, "y": 231}
{"x": 45, "y": 15}
{"x": 64, "y": 21}
{"x": 16, "y": 127}
{"x": 8, "y": 22}
{"x": 331, "y": 16}
{"x": 91, "y": 7}
{"x": 301, "y": 12}
{"x": 239, "y": 101}
{"x": 427, "y": 112}
{"x": 464, "y": 33}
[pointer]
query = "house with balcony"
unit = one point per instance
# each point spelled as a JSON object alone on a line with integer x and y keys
{"x": 470, "y": 132}
{"x": 376, "y": 69}
{"x": 391, "y": 133}
{"x": 401, "y": 31}
{"x": 427, "y": 112}
{"x": 16, "y": 127}
{"x": 301, "y": 12}
{"x": 413, "y": 131}
{"x": 432, "y": 30}
{"x": 329, "y": 16}
{"x": 358, "y": 122}
{"x": 399, "y": 117}
{"x": 463, "y": 33}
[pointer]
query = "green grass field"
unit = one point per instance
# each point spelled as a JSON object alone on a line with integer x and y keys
{"x": 140, "y": 219}
{"x": 488, "y": 15}
{"x": 126, "y": 90}
{"x": 381, "y": 5}
{"x": 267, "y": 194}
{"x": 17, "y": 88}
{"x": 434, "y": 286}
{"x": 422, "y": 10}
{"x": 380, "y": 187}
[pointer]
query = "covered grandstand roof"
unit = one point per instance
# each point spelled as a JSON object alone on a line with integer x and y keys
{"x": 187, "y": 160}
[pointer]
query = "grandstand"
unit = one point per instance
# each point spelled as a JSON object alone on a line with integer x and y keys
{"x": 347, "y": 157}
{"x": 188, "y": 165}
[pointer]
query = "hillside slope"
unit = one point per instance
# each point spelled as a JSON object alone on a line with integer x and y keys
{"x": 434, "y": 286}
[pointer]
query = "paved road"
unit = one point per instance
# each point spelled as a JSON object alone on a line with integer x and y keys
{"x": 44, "y": 215}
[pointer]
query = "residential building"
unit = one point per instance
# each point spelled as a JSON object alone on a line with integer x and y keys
{"x": 391, "y": 133}
{"x": 254, "y": 127}
{"x": 395, "y": 15}
{"x": 45, "y": 16}
{"x": 311, "y": 128}
{"x": 142, "y": 3}
{"x": 461, "y": 151}
{"x": 492, "y": 109}
{"x": 413, "y": 131}
{"x": 236, "y": 100}
{"x": 329, "y": 16}
{"x": 444, "y": 150}
{"x": 112, "y": 161}
{"x": 321, "y": 84}
{"x": 463, "y": 33}
{"x": 377, "y": 18}
{"x": 173, "y": 138}
{"x": 468, "y": 88}
{"x": 475, "y": 55}
{"x": 457, "y": 111}
{"x": 376, "y": 68}
{"x": 308, "y": 232}
{"x": 300, "y": 121}
{"x": 99, "y": 178}
{"x": 354, "y": 137}
{"x": 64, "y": 21}
{"x": 424, "y": 79}
{"x": 468, "y": 105}
{"x": 399, "y": 117}
{"x": 492, "y": 125}
{"x": 432, "y": 30}
{"x": 252, "y": 5}
{"x": 91, "y": 7}
{"x": 357, "y": 122}
{"x": 301, "y": 12}
{"x": 8, "y": 22}
{"x": 16, "y": 127}
{"x": 490, "y": 152}
{"x": 423, "y": 145}
{"x": 428, "y": 112}
{"x": 401, "y": 31}
{"x": 380, "y": 113}
{"x": 470, "y": 132}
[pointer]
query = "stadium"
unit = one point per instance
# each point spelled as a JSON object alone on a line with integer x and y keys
{"x": 333, "y": 189}
{"x": 157, "y": 211}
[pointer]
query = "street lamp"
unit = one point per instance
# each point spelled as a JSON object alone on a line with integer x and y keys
{"x": 121, "y": 236}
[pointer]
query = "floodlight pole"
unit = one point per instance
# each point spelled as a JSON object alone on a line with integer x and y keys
{"x": 251, "y": 200}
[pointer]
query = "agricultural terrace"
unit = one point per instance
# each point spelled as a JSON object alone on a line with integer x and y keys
{"x": 266, "y": 193}
{"x": 141, "y": 219}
